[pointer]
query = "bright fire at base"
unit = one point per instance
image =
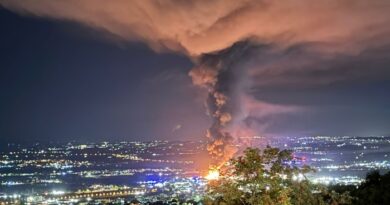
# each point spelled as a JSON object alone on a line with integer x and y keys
{"x": 212, "y": 175}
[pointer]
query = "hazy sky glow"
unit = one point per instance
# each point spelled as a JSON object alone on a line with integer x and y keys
{"x": 81, "y": 70}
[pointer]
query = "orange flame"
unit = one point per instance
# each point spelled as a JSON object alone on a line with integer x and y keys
{"x": 213, "y": 174}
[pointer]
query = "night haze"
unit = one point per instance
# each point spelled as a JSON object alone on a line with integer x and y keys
{"x": 159, "y": 83}
{"x": 68, "y": 76}
{"x": 69, "y": 82}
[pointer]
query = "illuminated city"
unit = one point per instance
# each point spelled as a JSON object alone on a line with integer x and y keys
{"x": 164, "y": 170}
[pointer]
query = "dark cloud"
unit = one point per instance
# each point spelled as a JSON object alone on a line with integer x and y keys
{"x": 302, "y": 66}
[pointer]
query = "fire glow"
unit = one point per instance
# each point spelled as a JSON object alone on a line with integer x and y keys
{"x": 213, "y": 174}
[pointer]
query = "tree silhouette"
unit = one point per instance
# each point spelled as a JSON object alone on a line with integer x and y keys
{"x": 268, "y": 177}
{"x": 374, "y": 190}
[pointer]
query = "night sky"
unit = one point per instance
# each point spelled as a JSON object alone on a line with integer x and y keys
{"x": 62, "y": 79}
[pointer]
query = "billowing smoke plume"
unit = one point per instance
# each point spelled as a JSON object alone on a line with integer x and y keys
{"x": 215, "y": 73}
{"x": 307, "y": 38}
{"x": 224, "y": 74}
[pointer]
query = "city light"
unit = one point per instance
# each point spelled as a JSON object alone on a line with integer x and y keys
{"x": 168, "y": 169}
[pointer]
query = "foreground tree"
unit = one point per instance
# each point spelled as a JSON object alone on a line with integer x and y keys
{"x": 268, "y": 177}
{"x": 374, "y": 190}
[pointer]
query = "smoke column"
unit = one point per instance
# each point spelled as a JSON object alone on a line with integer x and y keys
{"x": 215, "y": 72}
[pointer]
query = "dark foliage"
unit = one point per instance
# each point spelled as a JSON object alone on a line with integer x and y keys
{"x": 375, "y": 190}
{"x": 265, "y": 177}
